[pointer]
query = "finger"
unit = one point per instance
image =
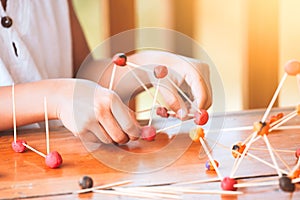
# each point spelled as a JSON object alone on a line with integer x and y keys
{"x": 90, "y": 140}
{"x": 173, "y": 99}
{"x": 124, "y": 118}
{"x": 111, "y": 126}
{"x": 99, "y": 132}
{"x": 292, "y": 67}
{"x": 200, "y": 86}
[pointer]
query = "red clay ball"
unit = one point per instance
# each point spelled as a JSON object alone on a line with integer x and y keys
{"x": 228, "y": 184}
{"x": 201, "y": 118}
{"x": 148, "y": 133}
{"x": 160, "y": 71}
{"x": 18, "y": 146}
{"x": 120, "y": 59}
{"x": 297, "y": 153}
{"x": 53, "y": 160}
{"x": 162, "y": 111}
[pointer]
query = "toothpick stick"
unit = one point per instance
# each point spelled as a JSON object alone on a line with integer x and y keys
{"x": 282, "y": 118}
{"x": 277, "y": 150}
{"x": 174, "y": 126}
{"x": 141, "y": 82}
{"x": 106, "y": 186}
{"x": 295, "y": 167}
{"x": 34, "y": 150}
{"x": 234, "y": 169}
{"x": 271, "y": 154}
{"x": 262, "y": 161}
{"x": 282, "y": 161}
{"x": 210, "y": 158}
{"x": 246, "y": 128}
{"x": 274, "y": 98}
{"x": 159, "y": 189}
{"x": 196, "y": 191}
{"x": 171, "y": 112}
{"x": 198, "y": 181}
{"x": 283, "y": 121}
{"x": 269, "y": 183}
{"x": 113, "y": 192}
{"x": 47, "y": 126}
{"x": 184, "y": 95}
{"x": 14, "y": 112}
{"x": 296, "y": 180}
{"x": 112, "y": 77}
{"x": 154, "y": 194}
{"x": 154, "y": 102}
{"x": 133, "y": 65}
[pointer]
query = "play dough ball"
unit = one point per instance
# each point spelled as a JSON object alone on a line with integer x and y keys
{"x": 297, "y": 153}
{"x": 86, "y": 182}
{"x": 53, "y": 160}
{"x": 292, "y": 67}
{"x": 228, "y": 184}
{"x": 148, "y": 133}
{"x": 238, "y": 149}
{"x": 262, "y": 128}
{"x": 162, "y": 111}
{"x": 201, "y": 117}
{"x": 285, "y": 184}
{"x": 18, "y": 146}
{"x": 120, "y": 59}
{"x": 160, "y": 71}
{"x": 210, "y": 167}
{"x": 196, "y": 133}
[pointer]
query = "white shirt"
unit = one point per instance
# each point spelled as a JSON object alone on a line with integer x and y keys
{"x": 41, "y": 34}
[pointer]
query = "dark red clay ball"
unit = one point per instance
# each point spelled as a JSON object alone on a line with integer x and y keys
{"x": 162, "y": 111}
{"x": 160, "y": 71}
{"x": 120, "y": 59}
{"x": 53, "y": 159}
{"x": 201, "y": 117}
{"x": 228, "y": 184}
{"x": 18, "y": 146}
{"x": 148, "y": 133}
{"x": 297, "y": 153}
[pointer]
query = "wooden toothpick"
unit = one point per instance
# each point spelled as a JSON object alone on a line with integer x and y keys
{"x": 14, "y": 112}
{"x": 47, "y": 126}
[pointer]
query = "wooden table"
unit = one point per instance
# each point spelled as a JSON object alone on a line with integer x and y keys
{"x": 170, "y": 158}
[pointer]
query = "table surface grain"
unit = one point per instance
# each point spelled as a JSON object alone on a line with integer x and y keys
{"x": 171, "y": 158}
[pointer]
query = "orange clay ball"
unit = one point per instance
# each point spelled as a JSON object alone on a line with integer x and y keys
{"x": 292, "y": 67}
{"x": 196, "y": 133}
{"x": 298, "y": 109}
{"x": 274, "y": 118}
{"x": 238, "y": 149}
{"x": 262, "y": 128}
{"x": 296, "y": 174}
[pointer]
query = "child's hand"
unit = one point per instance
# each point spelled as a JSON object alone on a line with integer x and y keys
{"x": 94, "y": 109}
{"x": 190, "y": 75}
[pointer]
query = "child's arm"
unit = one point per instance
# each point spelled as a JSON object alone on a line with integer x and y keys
{"x": 82, "y": 106}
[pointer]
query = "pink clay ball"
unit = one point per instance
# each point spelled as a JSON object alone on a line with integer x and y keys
{"x": 160, "y": 71}
{"x": 53, "y": 159}
{"x": 18, "y": 146}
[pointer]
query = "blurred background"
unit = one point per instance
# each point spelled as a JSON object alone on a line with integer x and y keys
{"x": 249, "y": 41}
